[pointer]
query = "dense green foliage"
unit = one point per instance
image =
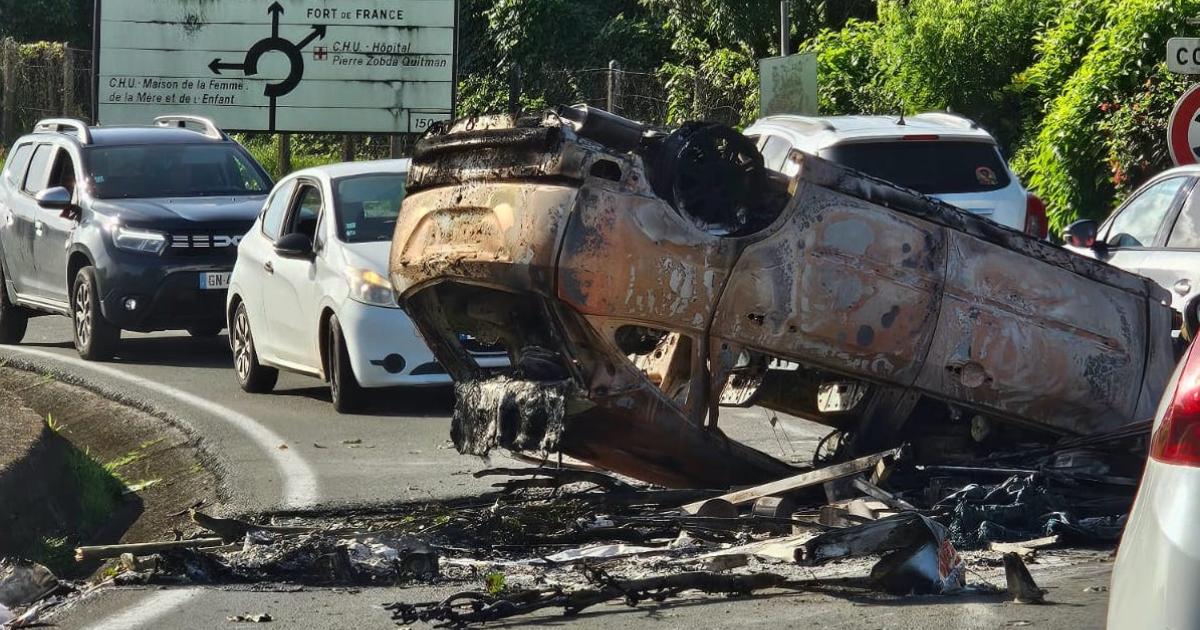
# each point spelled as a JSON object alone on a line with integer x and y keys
{"x": 50, "y": 20}
{"x": 1104, "y": 130}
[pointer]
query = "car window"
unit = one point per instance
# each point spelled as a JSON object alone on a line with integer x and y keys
{"x": 775, "y": 151}
{"x": 306, "y": 212}
{"x": 930, "y": 167}
{"x": 18, "y": 162}
{"x": 272, "y": 223}
{"x": 172, "y": 170}
{"x": 1186, "y": 232}
{"x": 1137, "y": 223}
{"x": 63, "y": 172}
{"x": 367, "y": 206}
{"x": 39, "y": 171}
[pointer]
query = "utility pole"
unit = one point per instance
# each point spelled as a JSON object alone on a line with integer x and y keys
{"x": 514, "y": 90}
{"x": 614, "y": 86}
{"x": 785, "y": 29}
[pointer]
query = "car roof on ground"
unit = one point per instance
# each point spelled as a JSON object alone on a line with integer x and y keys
{"x": 827, "y": 130}
{"x": 350, "y": 169}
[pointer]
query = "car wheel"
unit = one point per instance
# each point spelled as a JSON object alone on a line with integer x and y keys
{"x": 95, "y": 338}
{"x": 205, "y": 332}
{"x": 347, "y": 394}
{"x": 13, "y": 319}
{"x": 253, "y": 376}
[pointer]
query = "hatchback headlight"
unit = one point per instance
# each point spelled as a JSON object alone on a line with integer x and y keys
{"x": 135, "y": 240}
{"x": 370, "y": 287}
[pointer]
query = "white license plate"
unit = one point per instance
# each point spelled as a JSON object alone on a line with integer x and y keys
{"x": 216, "y": 280}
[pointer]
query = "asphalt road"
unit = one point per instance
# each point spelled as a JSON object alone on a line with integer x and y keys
{"x": 399, "y": 450}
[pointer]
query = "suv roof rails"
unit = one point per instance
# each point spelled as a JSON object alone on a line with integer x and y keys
{"x": 58, "y": 125}
{"x": 950, "y": 118}
{"x": 211, "y": 129}
{"x": 812, "y": 121}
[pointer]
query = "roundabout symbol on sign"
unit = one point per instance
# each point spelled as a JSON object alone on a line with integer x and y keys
{"x": 1183, "y": 128}
{"x": 274, "y": 43}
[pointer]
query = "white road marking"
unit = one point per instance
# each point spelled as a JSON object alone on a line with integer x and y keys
{"x": 147, "y": 610}
{"x": 300, "y": 488}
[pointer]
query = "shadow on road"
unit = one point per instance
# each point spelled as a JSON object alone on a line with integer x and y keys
{"x": 393, "y": 401}
{"x": 210, "y": 353}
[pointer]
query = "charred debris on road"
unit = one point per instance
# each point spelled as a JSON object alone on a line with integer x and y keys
{"x": 567, "y": 539}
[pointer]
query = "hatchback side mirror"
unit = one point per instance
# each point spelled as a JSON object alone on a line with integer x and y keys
{"x": 1082, "y": 233}
{"x": 295, "y": 245}
{"x": 57, "y": 198}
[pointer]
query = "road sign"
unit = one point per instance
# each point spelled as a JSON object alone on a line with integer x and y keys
{"x": 370, "y": 66}
{"x": 788, "y": 84}
{"x": 1183, "y": 55}
{"x": 1183, "y": 128}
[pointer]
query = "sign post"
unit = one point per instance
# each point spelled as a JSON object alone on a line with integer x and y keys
{"x": 1183, "y": 128}
{"x": 354, "y": 66}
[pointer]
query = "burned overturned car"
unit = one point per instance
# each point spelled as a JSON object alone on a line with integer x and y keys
{"x": 641, "y": 279}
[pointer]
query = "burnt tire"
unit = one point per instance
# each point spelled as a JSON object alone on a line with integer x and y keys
{"x": 252, "y": 376}
{"x": 14, "y": 320}
{"x": 346, "y": 393}
{"x": 204, "y": 332}
{"x": 96, "y": 338}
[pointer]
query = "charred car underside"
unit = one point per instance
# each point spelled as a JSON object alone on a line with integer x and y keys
{"x": 641, "y": 279}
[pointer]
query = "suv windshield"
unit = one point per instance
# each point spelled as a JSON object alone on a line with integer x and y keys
{"x": 928, "y": 167}
{"x": 367, "y": 206}
{"x": 172, "y": 170}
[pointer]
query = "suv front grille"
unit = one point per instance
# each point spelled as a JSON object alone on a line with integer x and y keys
{"x": 203, "y": 243}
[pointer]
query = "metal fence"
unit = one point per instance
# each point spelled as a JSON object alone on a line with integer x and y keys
{"x": 641, "y": 96}
{"x": 41, "y": 80}
{"x": 46, "y": 79}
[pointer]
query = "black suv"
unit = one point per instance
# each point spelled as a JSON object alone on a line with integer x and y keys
{"x": 123, "y": 228}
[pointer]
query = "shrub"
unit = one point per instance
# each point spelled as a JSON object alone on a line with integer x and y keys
{"x": 1067, "y": 163}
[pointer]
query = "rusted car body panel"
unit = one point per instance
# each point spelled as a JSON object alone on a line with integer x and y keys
{"x": 558, "y": 246}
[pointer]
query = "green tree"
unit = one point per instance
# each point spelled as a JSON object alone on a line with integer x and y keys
{"x": 47, "y": 20}
{"x": 1079, "y": 160}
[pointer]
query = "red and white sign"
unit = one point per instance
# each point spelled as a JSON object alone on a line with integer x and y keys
{"x": 1183, "y": 128}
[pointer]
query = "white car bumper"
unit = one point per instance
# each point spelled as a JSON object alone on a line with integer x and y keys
{"x": 376, "y": 336}
{"x": 1157, "y": 574}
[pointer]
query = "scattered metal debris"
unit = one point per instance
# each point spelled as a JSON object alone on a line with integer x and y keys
{"x": 1020, "y": 584}
{"x": 22, "y": 583}
{"x": 467, "y": 608}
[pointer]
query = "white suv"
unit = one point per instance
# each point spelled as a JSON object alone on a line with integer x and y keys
{"x": 937, "y": 154}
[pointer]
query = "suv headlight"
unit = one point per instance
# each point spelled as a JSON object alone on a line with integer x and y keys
{"x": 135, "y": 240}
{"x": 370, "y": 287}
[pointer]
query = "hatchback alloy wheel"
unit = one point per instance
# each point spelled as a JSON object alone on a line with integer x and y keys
{"x": 254, "y": 377}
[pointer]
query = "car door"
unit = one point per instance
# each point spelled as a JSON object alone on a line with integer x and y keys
{"x": 1176, "y": 265}
{"x": 54, "y": 228}
{"x": 16, "y": 236}
{"x": 256, "y": 266}
{"x": 1137, "y": 227}
{"x": 291, "y": 291}
{"x": 29, "y": 216}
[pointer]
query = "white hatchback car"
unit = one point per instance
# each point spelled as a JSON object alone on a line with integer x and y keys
{"x": 941, "y": 155}
{"x": 310, "y": 293}
{"x": 1157, "y": 573}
